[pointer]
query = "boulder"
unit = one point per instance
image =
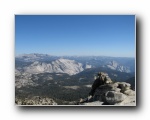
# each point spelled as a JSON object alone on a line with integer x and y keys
{"x": 102, "y": 90}
{"x": 107, "y": 87}
{"x": 129, "y": 92}
{"x": 113, "y": 97}
{"x": 118, "y": 93}
{"x": 129, "y": 101}
{"x": 124, "y": 86}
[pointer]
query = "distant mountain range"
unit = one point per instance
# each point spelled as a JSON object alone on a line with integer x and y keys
{"x": 39, "y": 63}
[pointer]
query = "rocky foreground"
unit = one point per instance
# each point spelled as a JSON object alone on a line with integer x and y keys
{"x": 119, "y": 94}
{"x": 36, "y": 100}
{"x": 115, "y": 94}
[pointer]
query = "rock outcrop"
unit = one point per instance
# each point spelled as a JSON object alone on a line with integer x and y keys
{"x": 118, "y": 93}
{"x": 36, "y": 100}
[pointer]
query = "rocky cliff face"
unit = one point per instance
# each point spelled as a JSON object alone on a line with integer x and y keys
{"x": 115, "y": 66}
{"x": 118, "y": 93}
{"x": 58, "y": 66}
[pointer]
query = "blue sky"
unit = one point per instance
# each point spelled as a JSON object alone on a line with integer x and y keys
{"x": 99, "y": 35}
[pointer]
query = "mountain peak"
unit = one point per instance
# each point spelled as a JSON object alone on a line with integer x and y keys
{"x": 61, "y": 65}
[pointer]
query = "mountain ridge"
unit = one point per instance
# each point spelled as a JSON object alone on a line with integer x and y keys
{"x": 116, "y": 63}
{"x": 61, "y": 65}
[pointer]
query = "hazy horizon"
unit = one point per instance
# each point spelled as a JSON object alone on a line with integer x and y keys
{"x": 71, "y": 55}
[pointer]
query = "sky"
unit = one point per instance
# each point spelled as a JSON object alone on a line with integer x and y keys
{"x": 96, "y": 35}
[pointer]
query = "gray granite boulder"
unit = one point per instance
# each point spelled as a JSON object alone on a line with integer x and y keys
{"x": 113, "y": 97}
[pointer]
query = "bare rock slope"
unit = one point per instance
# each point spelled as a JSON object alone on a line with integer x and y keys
{"x": 70, "y": 67}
